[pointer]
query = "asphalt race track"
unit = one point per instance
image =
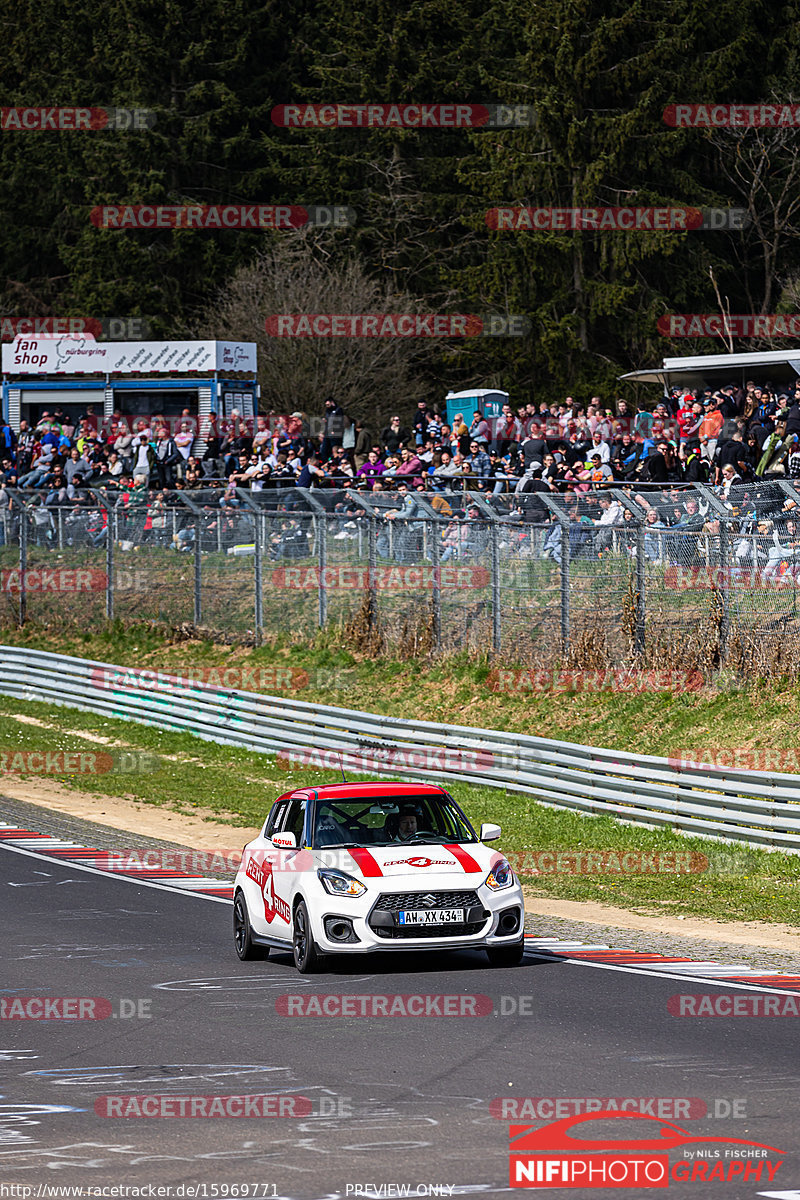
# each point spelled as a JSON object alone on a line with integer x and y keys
{"x": 389, "y": 1103}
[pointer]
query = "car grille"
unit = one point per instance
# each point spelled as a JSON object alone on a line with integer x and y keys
{"x": 404, "y": 932}
{"x": 394, "y": 901}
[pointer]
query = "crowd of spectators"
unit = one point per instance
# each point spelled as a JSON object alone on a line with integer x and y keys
{"x": 695, "y": 436}
{"x": 722, "y": 437}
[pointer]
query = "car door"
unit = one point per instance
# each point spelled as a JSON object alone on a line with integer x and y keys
{"x": 280, "y": 869}
{"x": 259, "y": 851}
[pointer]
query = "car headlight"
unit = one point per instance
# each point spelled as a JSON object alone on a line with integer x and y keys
{"x": 501, "y": 876}
{"x": 339, "y": 883}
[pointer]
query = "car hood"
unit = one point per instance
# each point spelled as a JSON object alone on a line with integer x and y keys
{"x": 423, "y": 861}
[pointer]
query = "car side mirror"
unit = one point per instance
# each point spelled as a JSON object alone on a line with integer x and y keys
{"x": 287, "y": 840}
{"x": 490, "y": 833}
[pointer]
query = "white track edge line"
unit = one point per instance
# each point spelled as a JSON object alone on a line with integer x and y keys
{"x": 747, "y": 987}
{"x": 570, "y": 961}
{"x": 161, "y": 887}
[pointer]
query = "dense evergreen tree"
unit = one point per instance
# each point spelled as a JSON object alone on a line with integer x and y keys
{"x": 598, "y": 74}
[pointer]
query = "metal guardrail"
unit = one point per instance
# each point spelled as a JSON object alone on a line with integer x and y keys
{"x": 739, "y": 806}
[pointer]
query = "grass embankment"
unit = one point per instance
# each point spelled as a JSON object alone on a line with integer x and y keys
{"x": 458, "y": 691}
{"x": 237, "y": 786}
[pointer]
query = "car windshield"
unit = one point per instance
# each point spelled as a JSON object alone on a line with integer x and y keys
{"x": 387, "y": 821}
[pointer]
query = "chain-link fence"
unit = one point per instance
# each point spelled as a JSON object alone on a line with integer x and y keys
{"x": 610, "y": 573}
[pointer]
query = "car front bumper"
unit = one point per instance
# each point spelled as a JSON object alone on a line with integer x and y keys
{"x": 372, "y": 930}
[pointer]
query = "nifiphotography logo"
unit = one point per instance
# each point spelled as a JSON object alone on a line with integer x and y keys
{"x": 552, "y": 1157}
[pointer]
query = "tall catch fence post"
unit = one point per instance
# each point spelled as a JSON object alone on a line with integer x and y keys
{"x": 322, "y": 563}
{"x": 246, "y": 498}
{"x": 640, "y": 578}
{"x": 199, "y": 515}
{"x": 432, "y": 550}
{"x": 372, "y": 581}
{"x": 724, "y": 516}
{"x": 436, "y": 599}
{"x": 640, "y": 598}
{"x": 497, "y": 633}
{"x": 490, "y": 515}
{"x": 258, "y": 518}
{"x": 372, "y": 514}
{"x": 103, "y": 502}
{"x": 198, "y": 571}
{"x": 564, "y": 523}
{"x": 109, "y": 566}
{"x": 23, "y": 563}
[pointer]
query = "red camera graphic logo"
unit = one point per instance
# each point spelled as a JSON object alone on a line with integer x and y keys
{"x": 550, "y": 1157}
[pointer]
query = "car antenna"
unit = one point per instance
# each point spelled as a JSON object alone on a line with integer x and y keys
{"x": 341, "y": 767}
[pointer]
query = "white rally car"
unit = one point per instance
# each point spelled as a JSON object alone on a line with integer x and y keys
{"x": 357, "y": 867}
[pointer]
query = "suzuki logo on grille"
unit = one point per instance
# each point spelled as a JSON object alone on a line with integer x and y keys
{"x": 429, "y": 899}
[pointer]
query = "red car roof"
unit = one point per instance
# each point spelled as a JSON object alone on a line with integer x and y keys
{"x": 345, "y": 791}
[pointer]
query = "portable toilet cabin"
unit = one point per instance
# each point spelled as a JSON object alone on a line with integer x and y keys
{"x": 488, "y": 400}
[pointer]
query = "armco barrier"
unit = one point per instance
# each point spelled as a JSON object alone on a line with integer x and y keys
{"x": 741, "y": 806}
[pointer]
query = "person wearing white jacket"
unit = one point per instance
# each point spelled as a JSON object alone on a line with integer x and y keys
{"x": 610, "y": 515}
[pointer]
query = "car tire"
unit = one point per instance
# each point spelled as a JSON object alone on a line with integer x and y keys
{"x": 307, "y": 958}
{"x": 242, "y": 933}
{"x": 506, "y": 956}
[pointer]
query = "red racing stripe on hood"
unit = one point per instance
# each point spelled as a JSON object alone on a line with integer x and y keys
{"x": 366, "y": 863}
{"x": 466, "y": 860}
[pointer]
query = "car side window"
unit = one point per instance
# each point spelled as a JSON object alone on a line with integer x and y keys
{"x": 273, "y": 822}
{"x": 295, "y": 819}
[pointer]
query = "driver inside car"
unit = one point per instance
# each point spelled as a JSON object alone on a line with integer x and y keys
{"x": 404, "y": 827}
{"x": 407, "y": 827}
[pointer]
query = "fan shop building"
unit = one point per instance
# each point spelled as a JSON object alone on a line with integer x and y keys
{"x": 133, "y": 379}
